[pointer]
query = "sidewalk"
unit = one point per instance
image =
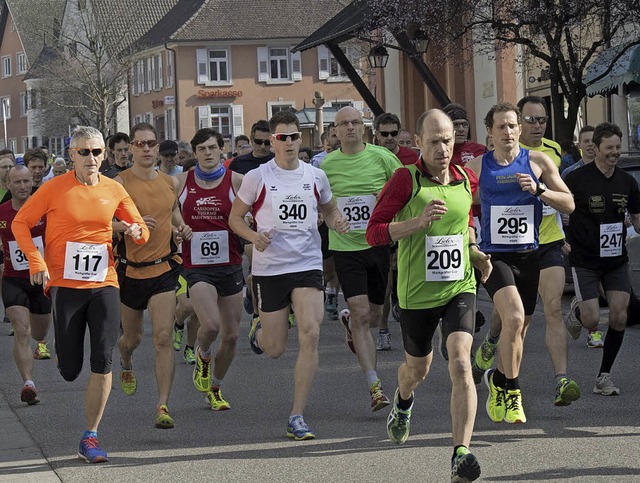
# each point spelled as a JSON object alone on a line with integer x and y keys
{"x": 21, "y": 460}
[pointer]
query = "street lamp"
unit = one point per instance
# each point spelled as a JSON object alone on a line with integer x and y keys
{"x": 378, "y": 57}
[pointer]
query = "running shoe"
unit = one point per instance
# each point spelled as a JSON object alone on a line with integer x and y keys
{"x": 128, "y": 382}
{"x": 567, "y": 391}
{"x": 189, "y": 356}
{"x": 90, "y": 451}
{"x": 217, "y": 402}
{"x": 465, "y": 466}
{"x": 378, "y": 398}
{"x": 331, "y": 306}
{"x": 594, "y": 340}
{"x": 29, "y": 395}
{"x": 513, "y": 403}
{"x": 202, "y": 373}
{"x": 177, "y": 335}
{"x": 345, "y": 317}
{"x": 10, "y": 333}
{"x": 604, "y": 385}
{"x": 298, "y": 429}
{"x": 42, "y": 351}
{"x": 495, "y": 402}
{"x": 574, "y": 327}
{"x": 384, "y": 340}
{"x": 6, "y": 320}
{"x": 163, "y": 420}
{"x": 255, "y": 325}
{"x": 442, "y": 342}
{"x": 398, "y": 421}
{"x": 483, "y": 359}
{"x": 395, "y": 311}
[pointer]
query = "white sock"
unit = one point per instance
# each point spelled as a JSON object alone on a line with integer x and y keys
{"x": 331, "y": 291}
{"x": 29, "y": 383}
{"x": 372, "y": 376}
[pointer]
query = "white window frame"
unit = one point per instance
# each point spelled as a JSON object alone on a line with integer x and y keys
{"x": 137, "y": 119}
{"x": 340, "y": 103}
{"x": 21, "y": 62}
{"x": 170, "y": 62}
{"x": 271, "y": 105}
{"x": 24, "y": 104}
{"x": 13, "y": 145}
{"x": 266, "y": 60}
{"x": 276, "y": 60}
{"x": 56, "y": 146}
{"x": 170, "y": 123}
{"x": 148, "y": 118}
{"x": 6, "y": 99}
{"x": 25, "y": 143}
{"x": 6, "y": 66}
{"x": 204, "y": 66}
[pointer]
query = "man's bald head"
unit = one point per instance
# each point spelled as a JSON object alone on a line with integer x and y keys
{"x": 18, "y": 171}
{"x": 20, "y": 183}
{"x": 432, "y": 118}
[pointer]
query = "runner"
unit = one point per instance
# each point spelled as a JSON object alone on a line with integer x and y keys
{"x": 212, "y": 261}
{"x": 148, "y": 275}
{"x": 26, "y": 305}
{"x": 357, "y": 172}
{"x": 285, "y": 196}
{"x": 426, "y": 207}
{"x": 603, "y": 194}
{"x": 77, "y": 269}
{"x": 512, "y": 189}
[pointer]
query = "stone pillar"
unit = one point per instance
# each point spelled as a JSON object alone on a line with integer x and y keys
{"x": 318, "y": 102}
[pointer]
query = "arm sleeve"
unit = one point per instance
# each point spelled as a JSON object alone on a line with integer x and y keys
{"x": 394, "y": 196}
{"x": 26, "y": 218}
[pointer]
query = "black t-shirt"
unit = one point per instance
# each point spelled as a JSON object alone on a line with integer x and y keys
{"x": 247, "y": 162}
{"x": 115, "y": 170}
{"x": 597, "y": 231}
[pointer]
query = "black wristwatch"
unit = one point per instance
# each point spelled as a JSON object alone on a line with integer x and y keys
{"x": 540, "y": 188}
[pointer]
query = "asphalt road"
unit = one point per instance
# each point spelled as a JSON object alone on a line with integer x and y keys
{"x": 595, "y": 439}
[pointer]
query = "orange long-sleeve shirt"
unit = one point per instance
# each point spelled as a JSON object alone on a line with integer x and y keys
{"x": 77, "y": 216}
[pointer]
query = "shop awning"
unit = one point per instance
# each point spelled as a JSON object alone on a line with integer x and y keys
{"x": 626, "y": 70}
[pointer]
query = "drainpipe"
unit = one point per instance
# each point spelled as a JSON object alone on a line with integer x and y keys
{"x": 175, "y": 87}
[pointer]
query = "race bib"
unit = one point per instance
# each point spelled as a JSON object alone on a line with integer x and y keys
{"x": 611, "y": 239}
{"x": 18, "y": 259}
{"x": 210, "y": 247}
{"x": 293, "y": 211}
{"x": 357, "y": 210}
{"x": 444, "y": 258}
{"x": 88, "y": 262}
{"x": 512, "y": 225}
{"x": 547, "y": 210}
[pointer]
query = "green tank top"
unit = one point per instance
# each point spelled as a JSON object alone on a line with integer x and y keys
{"x": 433, "y": 264}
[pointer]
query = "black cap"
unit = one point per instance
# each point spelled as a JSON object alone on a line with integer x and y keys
{"x": 168, "y": 147}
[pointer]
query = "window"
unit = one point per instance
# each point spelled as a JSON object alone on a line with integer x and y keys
{"x": 146, "y": 67}
{"x": 154, "y": 75}
{"x": 5, "y": 107}
{"x": 148, "y": 118}
{"x": 137, "y": 119}
{"x": 228, "y": 120}
{"x": 340, "y": 104}
{"x": 21, "y": 62}
{"x": 330, "y": 69}
{"x": 12, "y": 25}
{"x": 34, "y": 99}
{"x": 141, "y": 80}
{"x": 13, "y": 145}
{"x": 279, "y": 64}
{"x": 6, "y": 66}
{"x": 169, "y": 69}
{"x": 56, "y": 146}
{"x": 170, "y": 123}
{"x": 214, "y": 66}
{"x": 24, "y": 104}
{"x": 25, "y": 143}
{"x": 275, "y": 107}
{"x": 221, "y": 120}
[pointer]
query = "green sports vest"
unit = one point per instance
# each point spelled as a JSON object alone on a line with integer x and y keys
{"x": 414, "y": 291}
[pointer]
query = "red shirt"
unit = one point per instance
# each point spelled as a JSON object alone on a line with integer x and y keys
{"x": 465, "y": 152}
{"x": 395, "y": 195}
{"x": 10, "y": 247}
{"x": 407, "y": 156}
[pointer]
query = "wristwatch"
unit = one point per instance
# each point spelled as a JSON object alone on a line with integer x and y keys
{"x": 540, "y": 188}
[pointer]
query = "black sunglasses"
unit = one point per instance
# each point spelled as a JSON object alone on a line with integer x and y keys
{"x": 261, "y": 142}
{"x": 386, "y": 134}
{"x": 85, "y": 152}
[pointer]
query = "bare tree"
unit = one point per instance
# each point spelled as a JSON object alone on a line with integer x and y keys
{"x": 82, "y": 78}
{"x": 563, "y": 35}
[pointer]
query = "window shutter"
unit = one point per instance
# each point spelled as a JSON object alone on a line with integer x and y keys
{"x": 296, "y": 66}
{"x": 263, "y": 64}
{"x": 159, "y": 72}
{"x": 202, "y": 60}
{"x": 323, "y": 62}
{"x": 133, "y": 81}
{"x": 152, "y": 73}
{"x": 204, "y": 116}
{"x": 238, "y": 119}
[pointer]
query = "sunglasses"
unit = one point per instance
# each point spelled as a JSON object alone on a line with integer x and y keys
{"x": 280, "y": 136}
{"x": 152, "y": 143}
{"x": 536, "y": 119}
{"x": 86, "y": 152}
{"x": 386, "y": 134}
{"x": 262, "y": 142}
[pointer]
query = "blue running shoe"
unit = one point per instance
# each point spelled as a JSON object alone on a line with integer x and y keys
{"x": 298, "y": 429}
{"x": 90, "y": 451}
{"x": 255, "y": 325}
